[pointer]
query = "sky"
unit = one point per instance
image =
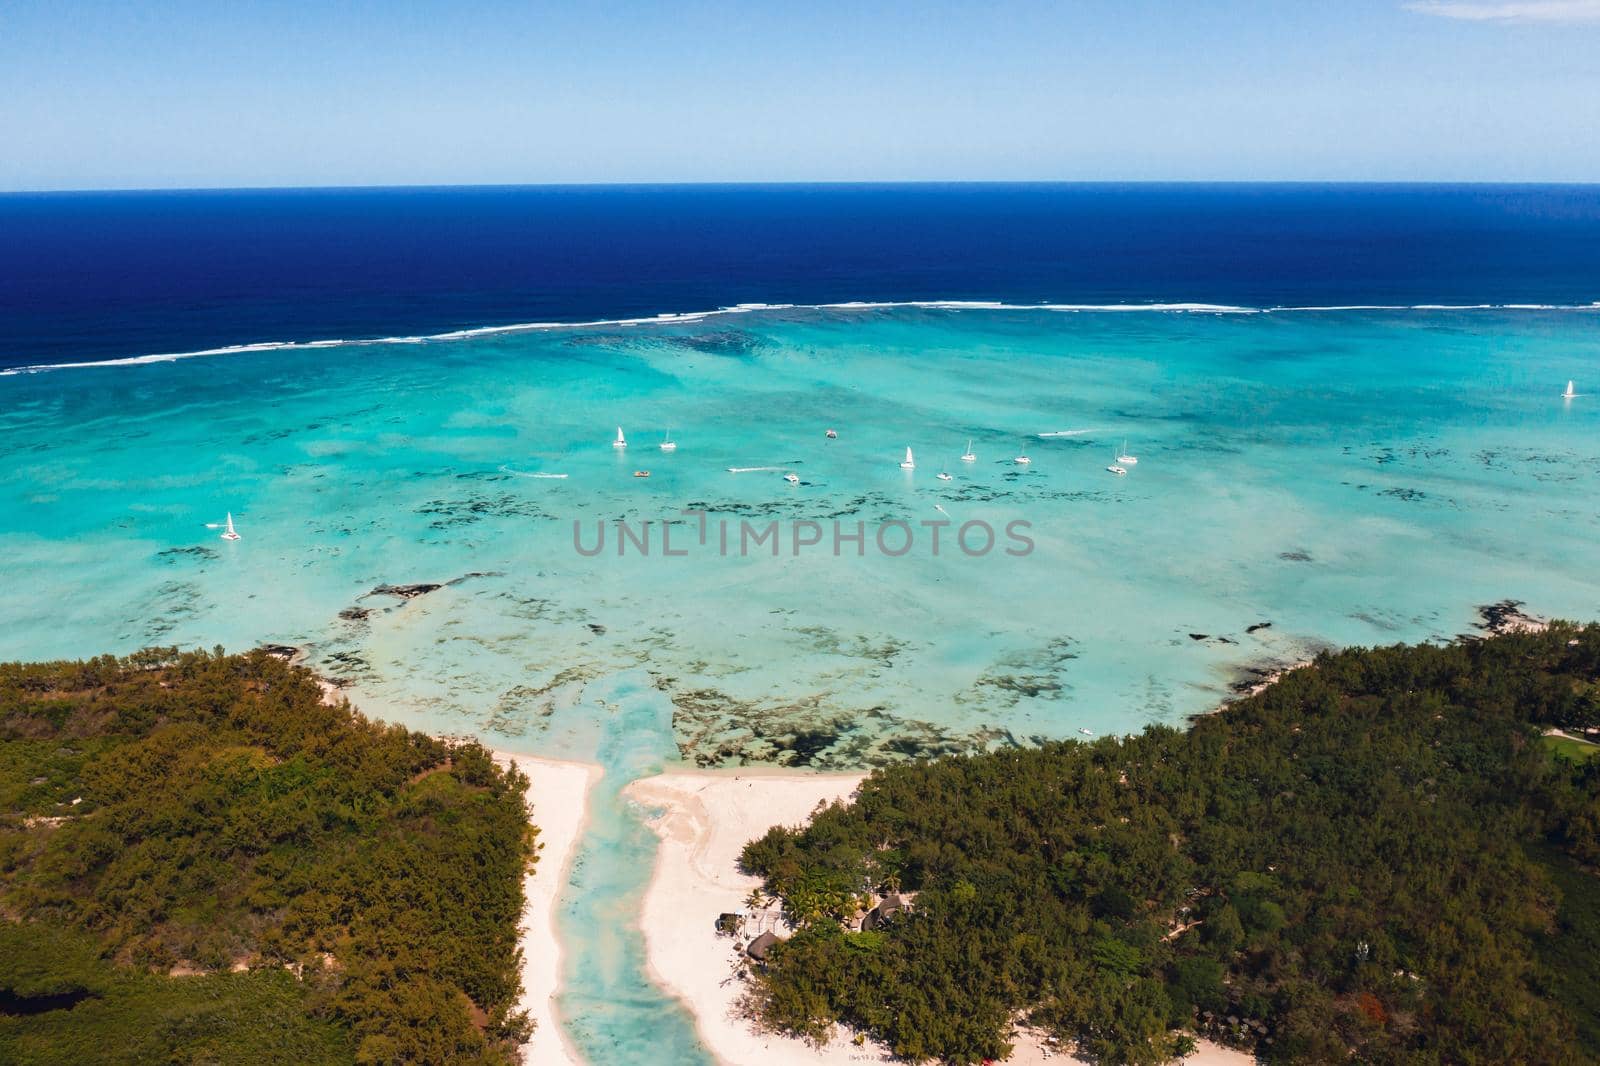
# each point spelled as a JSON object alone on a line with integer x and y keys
{"x": 196, "y": 93}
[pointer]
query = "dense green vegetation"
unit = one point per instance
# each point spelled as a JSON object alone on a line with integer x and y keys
{"x": 124, "y": 1013}
{"x": 1570, "y": 949}
{"x": 200, "y": 861}
{"x": 1376, "y": 859}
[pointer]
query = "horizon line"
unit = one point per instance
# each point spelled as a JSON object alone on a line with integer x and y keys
{"x": 821, "y": 183}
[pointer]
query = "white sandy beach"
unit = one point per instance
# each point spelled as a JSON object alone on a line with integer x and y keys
{"x": 559, "y": 795}
{"x": 704, "y": 823}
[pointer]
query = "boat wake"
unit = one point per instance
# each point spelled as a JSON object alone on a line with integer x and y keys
{"x": 507, "y": 468}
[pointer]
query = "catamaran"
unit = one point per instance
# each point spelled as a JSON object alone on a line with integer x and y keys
{"x": 1571, "y": 391}
{"x": 944, "y": 475}
{"x": 1117, "y": 469}
{"x": 792, "y": 478}
{"x": 910, "y": 463}
{"x": 970, "y": 456}
{"x": 1022, "y": 460}
{"x": 668, "y": 445}
{"x": 1125, "y": 459}
{"x": 230, "y": 533}
{"x": 621, "y": 441}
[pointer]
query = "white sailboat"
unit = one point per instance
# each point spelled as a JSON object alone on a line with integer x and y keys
{"x": 1125, "y": 459}
{"x": 910, "y": 463}
{"x": 970, "y": 456}
{"x": 944, "y": 474}
{"x": 668, "y": 445}
{"x": 230, "y": 533}
{"x": 792, "y": 478}
{"x": 621, "y": 441}
{"x": 1117, "y": 469}
{"x": 1571, "y": 391}
{"x": 1022, "y": 460}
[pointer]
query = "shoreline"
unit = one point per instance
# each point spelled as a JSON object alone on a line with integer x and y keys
{"x": 703, "y": 820}
{"x": 1494, "y": 619}
{"x": 558, "y": 798}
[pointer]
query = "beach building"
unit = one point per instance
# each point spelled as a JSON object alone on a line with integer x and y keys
{"x": 886, "y": 909}
{"x": 758, "y": 948}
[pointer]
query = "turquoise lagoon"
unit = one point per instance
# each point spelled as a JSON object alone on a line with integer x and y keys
{"x": 1350, "y": 477}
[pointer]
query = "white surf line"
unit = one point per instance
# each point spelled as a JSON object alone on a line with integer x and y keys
{"x": 676, "y": 317}
{"x": 1066, "y": 433}
{"x": 753, "y": 469}
{"x": 999, "y": 305}
{"x": 507, "y": 468}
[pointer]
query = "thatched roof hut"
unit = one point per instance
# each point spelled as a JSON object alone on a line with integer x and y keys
{"x": 887, "y": 908}
{"x": 757, "y": 949}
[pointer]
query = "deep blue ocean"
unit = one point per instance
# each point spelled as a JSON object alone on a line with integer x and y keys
{"x": 89, "y": 276}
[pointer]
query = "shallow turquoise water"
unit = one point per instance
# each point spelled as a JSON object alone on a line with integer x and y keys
{"x": 1349, "y": 477}
{"x": 610, "y": 1008}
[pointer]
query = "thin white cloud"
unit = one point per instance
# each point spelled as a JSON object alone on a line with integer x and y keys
{"x": 1515, "y": 11}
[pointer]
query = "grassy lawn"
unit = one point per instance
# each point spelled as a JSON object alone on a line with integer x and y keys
{"x": 1575, "y": 750}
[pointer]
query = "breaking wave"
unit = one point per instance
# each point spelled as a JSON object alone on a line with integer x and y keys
{"x": 674, "y": 318}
